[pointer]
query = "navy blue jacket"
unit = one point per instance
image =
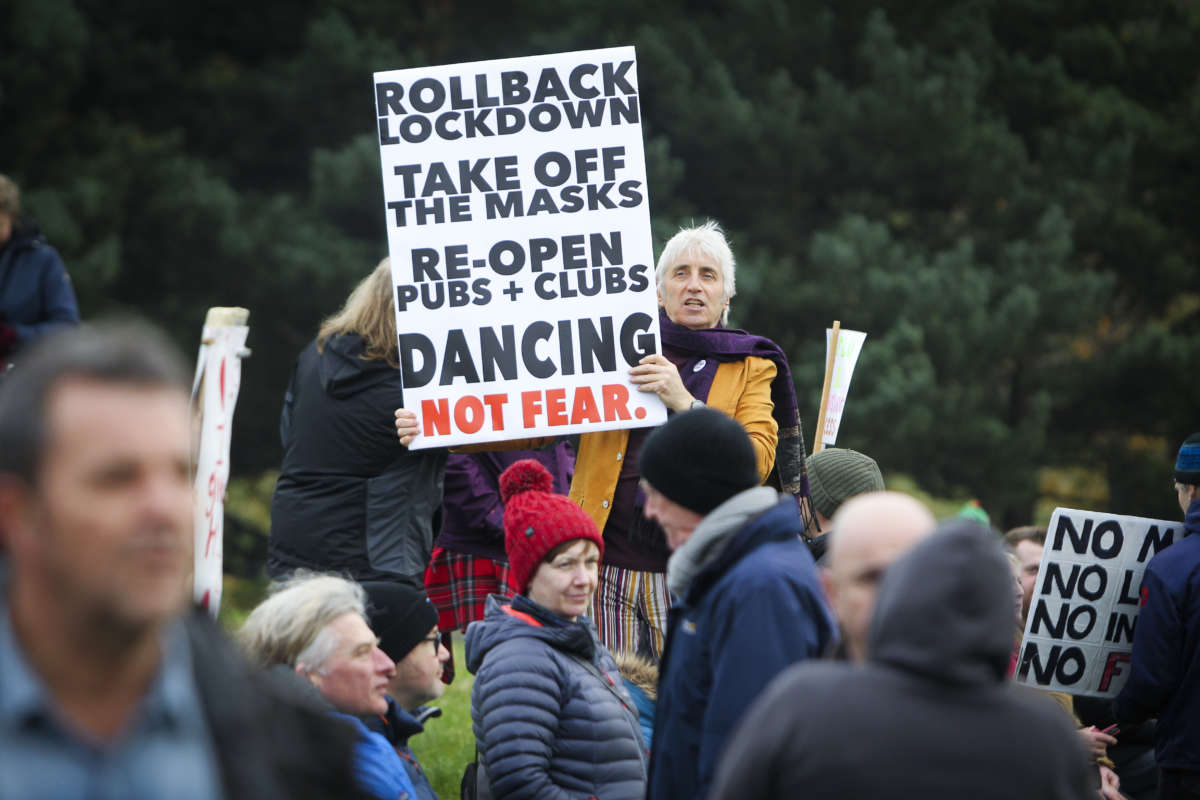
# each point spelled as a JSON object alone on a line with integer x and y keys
{"x": 747, "y": 616}
{"x": 547, "y": 726}
{"x": 35, "y": 292}
{"x": 398, "y": 726}
{"x": 1164, "y": 674}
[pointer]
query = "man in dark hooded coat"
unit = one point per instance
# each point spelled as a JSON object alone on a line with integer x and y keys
{"x": 930, "y": 714}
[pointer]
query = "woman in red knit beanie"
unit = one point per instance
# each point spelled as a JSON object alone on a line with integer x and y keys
{"x": 550, "y": 711}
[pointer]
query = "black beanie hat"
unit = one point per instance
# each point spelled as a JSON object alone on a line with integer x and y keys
{"x": 400, "y": 616}
{"x": 1187, "y": 463}
{"x": 699, "y": 459}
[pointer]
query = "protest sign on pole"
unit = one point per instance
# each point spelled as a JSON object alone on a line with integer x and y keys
{"x": 842, "y": 347}
{"x": 214, "y": 395}
{"x": 519, "y": 235}
{"x": 1084, "y": 608}
{"x": 831, "y": 336}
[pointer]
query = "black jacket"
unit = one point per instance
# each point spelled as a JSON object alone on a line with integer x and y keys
{"x": 349, "y": 497}
{"x": 931, "y": 715}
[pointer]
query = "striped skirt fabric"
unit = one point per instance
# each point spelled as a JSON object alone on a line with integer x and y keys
{"x": 630, "y": 611}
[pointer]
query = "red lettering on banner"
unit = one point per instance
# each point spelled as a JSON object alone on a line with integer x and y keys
{"x": 549, "y": 407}
{"x": 616, "y": 398}
{"x": 215, "y": 493}
{"x": 556, "y": 407}
{"x": 468, "y": 414}
{"x": 531, "y": 406}
{"x": 435, "y": 416}
{"x": 584, "y": 408}
{"x": 495, "y": 404}
{"x": 1112, "y": 666}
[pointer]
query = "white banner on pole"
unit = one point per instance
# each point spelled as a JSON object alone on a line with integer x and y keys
{"x": 214, "y": 395}
{"x": 1079, "y": 633}
{"x": 519, "y": 234}
{"x": 849, "y": 345}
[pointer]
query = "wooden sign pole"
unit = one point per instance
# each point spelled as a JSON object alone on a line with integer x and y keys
{"x": 819, "y": 445}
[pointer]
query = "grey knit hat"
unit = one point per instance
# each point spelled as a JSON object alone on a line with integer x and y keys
{"x": 835, "y": 475}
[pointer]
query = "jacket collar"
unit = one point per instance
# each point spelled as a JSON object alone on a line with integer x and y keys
{"x": 721, "y": 539}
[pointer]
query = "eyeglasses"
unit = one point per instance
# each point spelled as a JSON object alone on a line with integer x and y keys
{"x": 437, "y": 642}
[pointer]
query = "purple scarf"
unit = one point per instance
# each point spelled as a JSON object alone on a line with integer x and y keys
{"x": 728, "y": 344}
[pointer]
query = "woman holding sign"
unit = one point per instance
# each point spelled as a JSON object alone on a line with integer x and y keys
{"x": 347, "y": 499}
{"x": 703, "y": 363}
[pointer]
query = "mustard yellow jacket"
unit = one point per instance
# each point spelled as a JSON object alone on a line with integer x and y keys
{"x": 742, "y": 389}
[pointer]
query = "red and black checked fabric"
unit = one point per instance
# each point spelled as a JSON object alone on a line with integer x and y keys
{"x": 458, "y": 584}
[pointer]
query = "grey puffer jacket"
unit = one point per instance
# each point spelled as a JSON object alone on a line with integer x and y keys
{"x": 547, "y": 727}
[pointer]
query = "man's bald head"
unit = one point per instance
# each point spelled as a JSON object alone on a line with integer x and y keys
{"x": 870, "y": 532}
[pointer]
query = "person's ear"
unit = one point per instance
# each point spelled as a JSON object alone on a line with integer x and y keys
{"x": 17, "y": 528}
{"x": 309, "y": 675}
{"x": 827, "y": 585}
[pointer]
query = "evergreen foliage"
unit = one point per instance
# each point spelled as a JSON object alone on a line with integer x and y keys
{"x": 1003, "y": 193}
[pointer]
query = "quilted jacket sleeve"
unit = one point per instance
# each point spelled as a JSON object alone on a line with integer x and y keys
{"x": 516, "y": 704}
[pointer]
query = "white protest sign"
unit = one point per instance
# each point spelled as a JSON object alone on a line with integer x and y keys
{"x": 1081, "y": 619}
{"x": 519, "y": 233}
{"x": 214, "y": 395}
{"x": 849, "y": 345}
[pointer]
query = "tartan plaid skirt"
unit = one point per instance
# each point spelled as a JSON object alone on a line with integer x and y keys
{"x": 458, "y": 584}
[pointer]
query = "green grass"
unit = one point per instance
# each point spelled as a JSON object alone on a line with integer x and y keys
{"x": 448, "y": 743}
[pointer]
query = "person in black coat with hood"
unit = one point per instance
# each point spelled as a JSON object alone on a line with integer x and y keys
{"x": 349, "y": 498}
{"x": 930, "y": 715}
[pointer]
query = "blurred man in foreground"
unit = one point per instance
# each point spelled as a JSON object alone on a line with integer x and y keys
{"x": 105, "y": 691}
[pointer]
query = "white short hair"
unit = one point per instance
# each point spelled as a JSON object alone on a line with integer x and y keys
{"x": 292, "y": 625}
{"x": 707, "y": 239}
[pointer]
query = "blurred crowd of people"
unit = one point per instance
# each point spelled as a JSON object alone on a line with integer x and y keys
{"x": 697, "y": 610}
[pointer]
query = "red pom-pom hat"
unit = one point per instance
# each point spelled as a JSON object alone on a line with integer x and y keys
{"x": 536, "y": 520}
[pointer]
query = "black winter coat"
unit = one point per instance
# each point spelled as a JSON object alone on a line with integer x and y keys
{"x": 931, "y": 715}
{"x": 547, "y": 727}
{"x": 350, "y": 498}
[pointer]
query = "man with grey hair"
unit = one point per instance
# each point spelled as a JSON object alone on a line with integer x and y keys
{"x": 315, "y": 626}
{"x": 873, "y": 530}
{"x": 106, "y": 689}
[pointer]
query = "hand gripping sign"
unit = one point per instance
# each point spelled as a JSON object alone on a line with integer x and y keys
{"x": 519, "y": 236}
{"x": 1079, "y": 633}
{"x": 214, "y": 395}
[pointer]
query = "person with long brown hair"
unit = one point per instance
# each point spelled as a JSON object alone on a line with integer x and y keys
{"x": 349, "y": 498}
